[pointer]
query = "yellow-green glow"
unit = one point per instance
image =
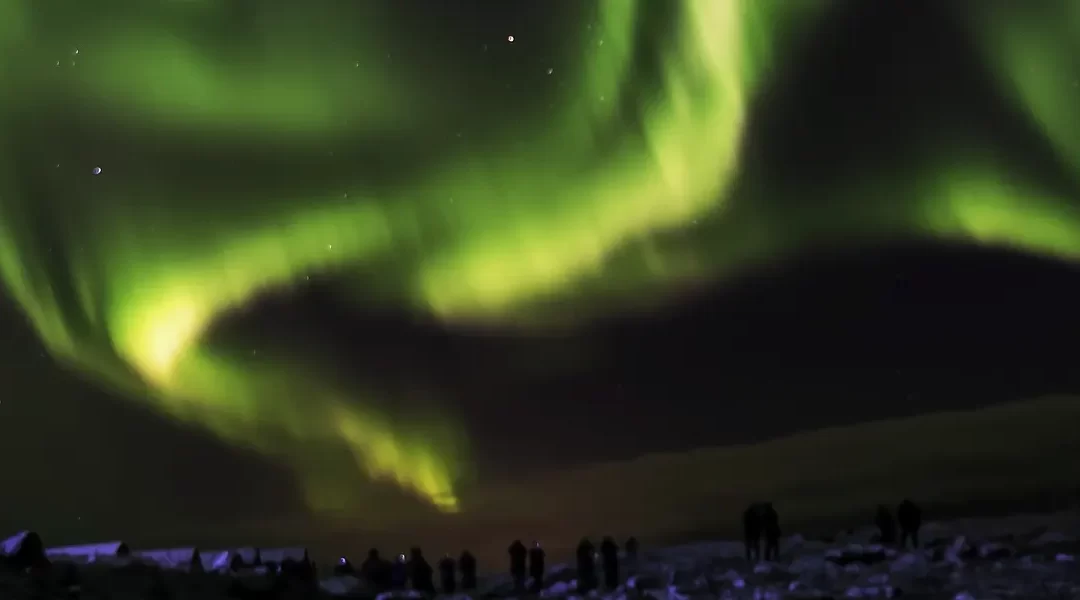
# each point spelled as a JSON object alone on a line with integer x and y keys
{"x": 152, "y": 275}
{"x": 685, "y": 157}
{"x": 1034, "y": 48}
{"x": 981, "y": 205}
{"x": 229, "y": 146}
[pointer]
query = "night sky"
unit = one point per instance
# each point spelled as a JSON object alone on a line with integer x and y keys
{"x": 337, "y": 271}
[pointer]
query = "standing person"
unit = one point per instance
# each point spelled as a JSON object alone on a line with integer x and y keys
{"x": 586, "y": 566}
{"x": 399, "y": 573}
{"x": 376, "y": 571}
{"x": 344, "y": 567}
{"x": 909, "y": 515}
{"x": 421, "y": 573}
{"x": 467, "y": 564}
{"x": 770, "y": 524}
{"x": 447, "y": 574}
{"x": 609, "y": 554}
{"x": 536, "y": 566}
{"x": 517, "y": 564}
{"x": 751, "y": 522}
{"x": 886, "y": 525}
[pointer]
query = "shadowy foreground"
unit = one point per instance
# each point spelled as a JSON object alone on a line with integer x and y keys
{"x": 1025, "y": 556}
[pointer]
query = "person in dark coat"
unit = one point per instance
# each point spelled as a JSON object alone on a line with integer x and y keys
{"x": 421, "y": 574}
{"x": 467, "y": 564}
{"x": 770, "y": 525}
{"x": 609, "y": 554}
{"x": 631, "y": 547}
{"x": 399, "y": 573}
{"x": 586, "y": 566}
{"x": 536, "y": 566}
{"x": 376, "y": 571}
{"x": 448, "y": 575}
{"x": 751, "y": 522}
{"x": 886, "y": 525}
{"x": 517, "y": 564}
{"x": 909, "y": 516}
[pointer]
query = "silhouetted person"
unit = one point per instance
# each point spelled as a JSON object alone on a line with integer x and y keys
{"x": 399, "y": 573}
{"x": 770, "y": 525}
{"x": 886, "y": 525}
{"x": 376, "y": 571}
{"x": 631, "y": 549}
{"x": 586, "y": 566}
{"x": 536, "y": 566}
{"x": 909, "y": 516}
{"x": 448, "y": 575}
{"x": 420, "y": 572}
{"x": 299, "y": 571}
{"x": 609, "y": 554}
{"x": 344, "y": 567}
{"x": 467, "y": 564}
{"x": 517, "y": 564}
{"x": 751, "y": 522}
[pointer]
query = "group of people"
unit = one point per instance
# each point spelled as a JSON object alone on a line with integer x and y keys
{"x": 908, "y": 517}
{"x": 760, "y": 520}
{"x": 527, "y": 565}
{"x": 384, "y": 575}
{"x": 586, "y": 556}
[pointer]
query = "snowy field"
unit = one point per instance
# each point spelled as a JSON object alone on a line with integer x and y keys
{"x": 1028, "y": 557}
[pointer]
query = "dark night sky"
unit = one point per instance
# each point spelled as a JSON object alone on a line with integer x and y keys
{"x": 825, "y": 340}
{"x": 827, "y": 337}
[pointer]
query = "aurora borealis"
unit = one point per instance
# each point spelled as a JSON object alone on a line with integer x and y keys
{"x": 593, "y": 162}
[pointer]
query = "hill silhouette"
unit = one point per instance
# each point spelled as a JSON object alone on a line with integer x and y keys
{"x": 1008, "y": 457}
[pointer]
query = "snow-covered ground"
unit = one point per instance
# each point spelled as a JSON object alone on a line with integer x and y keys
{"x": 1028, "y": 557}
{"x": 1020, "y": 557}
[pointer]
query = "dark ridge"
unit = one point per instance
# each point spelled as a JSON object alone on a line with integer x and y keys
{"x": 829, "y": 338}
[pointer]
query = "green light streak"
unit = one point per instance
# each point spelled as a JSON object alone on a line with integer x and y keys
{"x": 1035, "y": 50}
{"x": 150, "y": 280}
{"x": 124, "y": 275}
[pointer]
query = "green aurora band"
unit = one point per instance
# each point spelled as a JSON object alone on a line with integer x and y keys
{"x": 126, "y": 282}
{"x": 1035, "y": 49}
